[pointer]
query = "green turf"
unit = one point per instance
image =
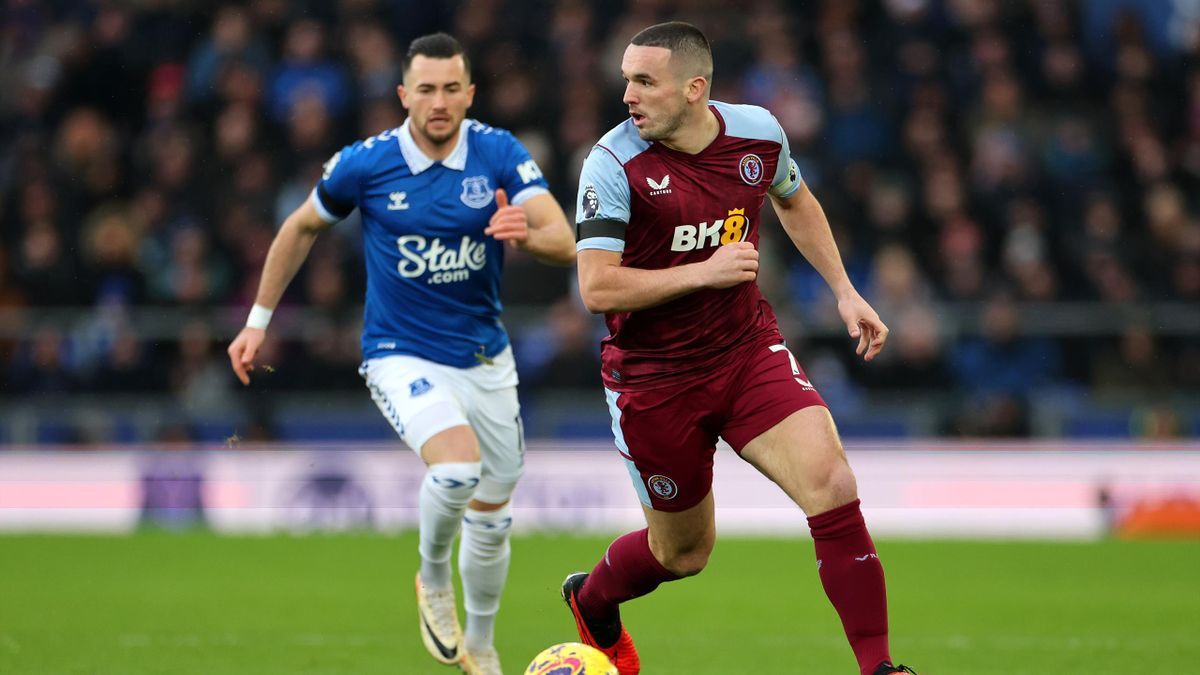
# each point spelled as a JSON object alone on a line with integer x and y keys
{"x": 198, "y": 603}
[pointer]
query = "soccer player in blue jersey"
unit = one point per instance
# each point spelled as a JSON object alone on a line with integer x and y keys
{"x": 439, "y": 197}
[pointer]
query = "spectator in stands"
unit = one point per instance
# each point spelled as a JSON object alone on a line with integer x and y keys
{"x": 43, "y": 365}
{"x": 1002, "y": 360}
{"x": 306, "y": 71}
{"x": 1135, "y": 368}
{"x": 233, "y": 39}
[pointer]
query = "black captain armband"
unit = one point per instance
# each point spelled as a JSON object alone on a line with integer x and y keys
{"x": 605, "y": 229}
{"x": 334, "y": 206}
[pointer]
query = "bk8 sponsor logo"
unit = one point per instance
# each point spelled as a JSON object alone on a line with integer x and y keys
{"x": 728, "y": 230}
{"x": 419, "y": 255}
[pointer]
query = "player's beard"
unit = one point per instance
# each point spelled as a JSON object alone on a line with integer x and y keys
{"x": 438, "y": 138}
{"x": 670, "y": 124}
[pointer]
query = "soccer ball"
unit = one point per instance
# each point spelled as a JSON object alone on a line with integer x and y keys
{"x": 571, "y": 658}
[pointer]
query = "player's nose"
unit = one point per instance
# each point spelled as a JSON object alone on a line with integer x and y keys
{"x": 629, "y": 98}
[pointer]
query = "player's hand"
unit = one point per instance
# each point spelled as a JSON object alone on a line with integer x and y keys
{"x": 864, "y": 324}
{"x": 508, "y": 223}
{"x": 731, "y": 264}
{"x": 243, "y": 349}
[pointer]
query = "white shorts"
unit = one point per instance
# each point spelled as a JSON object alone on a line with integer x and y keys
{"x": 421, "y": 398}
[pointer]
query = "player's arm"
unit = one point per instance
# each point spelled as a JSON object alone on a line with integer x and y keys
{"x": 534, "y": 222}
{"x": 537, "y": 226}
{"x": 551, "y": 239}
{"x": 805, "y": 222}
{"x": 608, "y": 287}
{"x": 287, "y": 253}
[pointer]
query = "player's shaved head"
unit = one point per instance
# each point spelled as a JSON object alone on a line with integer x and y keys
{"x": 691, "y": 54}
{"x": 436, "y": 46}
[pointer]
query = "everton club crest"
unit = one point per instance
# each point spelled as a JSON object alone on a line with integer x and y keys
{"x": 476, "y": 192}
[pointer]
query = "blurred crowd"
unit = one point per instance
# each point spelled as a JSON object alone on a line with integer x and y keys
{"x": 972, "y": 154}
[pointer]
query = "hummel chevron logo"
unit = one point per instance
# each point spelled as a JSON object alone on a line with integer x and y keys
{"x": 398, "y": 201}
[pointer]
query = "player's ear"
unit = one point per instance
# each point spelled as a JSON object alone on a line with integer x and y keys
{"x": 696, "y": 87}
{"x": 403, "y": 94}
{"x": 470, "y": 94}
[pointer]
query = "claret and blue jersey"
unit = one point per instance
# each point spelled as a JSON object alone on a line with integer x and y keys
{"x": 661, "y": 208}
{"x": 433, "y": 276}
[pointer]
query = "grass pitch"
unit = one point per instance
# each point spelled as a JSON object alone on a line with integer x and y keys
{"x": 203, "y": 604}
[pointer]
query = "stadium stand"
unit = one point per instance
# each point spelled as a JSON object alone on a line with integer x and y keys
{"x": 1013, "y": 185}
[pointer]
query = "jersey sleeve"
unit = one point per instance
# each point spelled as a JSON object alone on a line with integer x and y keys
{"x": 787, "y": 174}
{"x": 336, "y": 194}
{"x": 603, "y": 210}
{"x": 520, "y": 176}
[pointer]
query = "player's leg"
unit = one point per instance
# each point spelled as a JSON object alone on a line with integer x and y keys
{"x": 673, "y": 546}
{"x": 428, "y": 416}
{"x": 485, "y": 553}
{"x": 667, "y": 445}
{"x": 451, "y": 479}
{"x": 779, "y": 424}
{"x": 803, "y": 455}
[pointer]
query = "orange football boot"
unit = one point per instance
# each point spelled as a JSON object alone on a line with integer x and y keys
{"x": 622, "y": 653}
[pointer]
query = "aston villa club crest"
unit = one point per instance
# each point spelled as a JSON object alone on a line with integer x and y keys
{"x": 662, "y": 486}
{"x": 751, "y": 169}
{"x": 476, "y": 192}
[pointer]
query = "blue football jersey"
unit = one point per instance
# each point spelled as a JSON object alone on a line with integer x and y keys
{"x": 433, "y": 276}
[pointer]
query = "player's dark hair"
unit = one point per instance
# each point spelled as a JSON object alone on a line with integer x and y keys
{"x": 684, "y": 40}
{"x": 436, "y": 46}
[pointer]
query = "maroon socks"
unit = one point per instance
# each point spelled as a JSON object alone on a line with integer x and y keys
{"x": 853, "y": 579}
{"x": 850, "y": 572}
{"x": 628, "y": 570}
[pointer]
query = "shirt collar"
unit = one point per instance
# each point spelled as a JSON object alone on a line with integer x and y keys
{"x": 417, "y": 161}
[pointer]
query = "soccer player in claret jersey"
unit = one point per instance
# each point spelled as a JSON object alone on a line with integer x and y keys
{"x": 667, "y": 244}
{"x": 439, "y": 197}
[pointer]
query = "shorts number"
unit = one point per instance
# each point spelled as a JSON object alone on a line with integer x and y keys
{"x": 795, "y": 366}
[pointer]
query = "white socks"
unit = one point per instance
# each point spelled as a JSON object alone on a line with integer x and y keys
{"x": 483, "y": 554}
{"x": 483, "y": 564}
{"x": 444, "y": 495}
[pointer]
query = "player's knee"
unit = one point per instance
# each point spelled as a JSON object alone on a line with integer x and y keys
{"x": 453, "y": 483}
{"x": 500, "y": 476}
{"x": 842, "y": 482}
{"x": 831, "y": 487}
